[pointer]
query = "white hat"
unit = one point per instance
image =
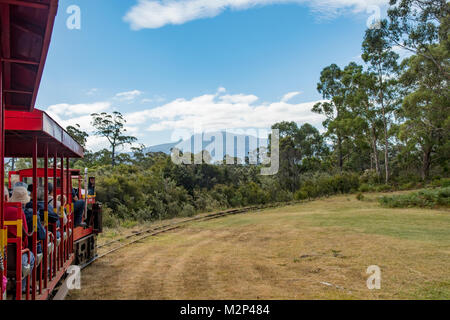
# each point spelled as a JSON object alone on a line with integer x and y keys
{"x": 20, "y": 194}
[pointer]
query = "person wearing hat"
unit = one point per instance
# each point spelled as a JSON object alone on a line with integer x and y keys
{"x": 20, "y": 184}
{"x": 20, "y": 195}
{"x": 11, "y": 214}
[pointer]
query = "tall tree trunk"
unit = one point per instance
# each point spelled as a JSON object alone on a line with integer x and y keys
{"x": 13, "y": 163}
{"x": 340, "y": 157}
{"x": 375, "y": 151}
{"x": 113, "y": 156}
{"x": 426, "y": 163}
{"x": 386, "y": 143}
{"x": 386, "y": 146}
{"x": 371, "y": 161}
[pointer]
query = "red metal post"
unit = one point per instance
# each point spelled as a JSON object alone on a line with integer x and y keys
{"x": 45, "y": 262}
{"x": 69, "y": 206}
{"x": 34, "y": 244}
{"x": 61, "y": 218}
{"x": 55, "y": 240}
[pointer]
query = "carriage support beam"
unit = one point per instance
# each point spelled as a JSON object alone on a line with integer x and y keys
{"x": 61, "y": 217}
{"x": 55, "y": 185}
{"x": 46, "y": 215}
{"x": 34, "y": 243}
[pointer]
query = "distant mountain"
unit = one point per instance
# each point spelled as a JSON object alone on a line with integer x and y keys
{"x": 164, "y": 148}
{"x": 235, "y": 145}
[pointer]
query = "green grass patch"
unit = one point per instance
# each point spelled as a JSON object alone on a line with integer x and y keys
{"x": 410, "y": 226}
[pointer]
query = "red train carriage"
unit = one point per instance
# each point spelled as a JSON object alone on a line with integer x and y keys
{"x": 84, "y": 187}
{"x": 35, "y": 134}
{"x": 25, "y": 32}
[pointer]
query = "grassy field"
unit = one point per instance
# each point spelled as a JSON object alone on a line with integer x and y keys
{"x": 315, "y": 250}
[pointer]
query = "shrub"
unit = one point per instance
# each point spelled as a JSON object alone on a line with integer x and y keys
{"x": 408, "y": 186}
{"x": 300, "y": 195}
{"x": 383, "y": 188}
{"x": 445, "y": 182}
{"x": 325, "y": 185}
{"x": 108, "y": 218}
{"x": 188, "y": 210}
{"x": 365, "y": 188}
{"x": 360, "y": 197}
{"x": 310, "y": 190}
{"x": 442, "y": 182}
{"x": 253, "y": 194}
{"x": 427, "y": 198}
{"x": 370, "y": 177}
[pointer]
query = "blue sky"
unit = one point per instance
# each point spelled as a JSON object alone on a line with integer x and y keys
{"x": 176, "y": 65}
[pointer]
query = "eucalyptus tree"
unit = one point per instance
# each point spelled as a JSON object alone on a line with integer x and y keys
{"x": 426, "y": 112}
{"x": 290, "y": 156}
{"x": 334, "y": 108}
{"x": 79, "y": 135}
{"x": 422, "y": 28}
{"x": 111, "y": 127}
{"x": 383, "y": 62}
{"x": 362, "y": 101}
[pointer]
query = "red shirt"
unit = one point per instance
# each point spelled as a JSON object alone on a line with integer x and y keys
{"x": 11, "y": 215}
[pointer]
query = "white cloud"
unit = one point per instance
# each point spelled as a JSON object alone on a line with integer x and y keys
{"x": 155, "y": 98}
{"x": 290, "y": 95}
{"x": 153, "y": 14}
{"x": 72, "y": 114}
{"x": 212, "y": 112}
{"x": 241, "y": 99}
{"x": 128, "y": 95}
{"x": 65, "y": 109}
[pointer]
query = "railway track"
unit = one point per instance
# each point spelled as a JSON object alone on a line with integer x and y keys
{"x": 117, "y": 244}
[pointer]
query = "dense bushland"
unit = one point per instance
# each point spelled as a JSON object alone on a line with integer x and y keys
{"x": 157, "y": 189}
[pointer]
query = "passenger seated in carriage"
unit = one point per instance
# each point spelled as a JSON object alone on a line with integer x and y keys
{"x": 78, "y": 208}
{"x": 20, "y": 195}
{"x": 58, "y": 206}
{"x": 52, "y": 215}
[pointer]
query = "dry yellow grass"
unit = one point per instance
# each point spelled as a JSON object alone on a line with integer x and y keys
{"x": 285, "y": 253}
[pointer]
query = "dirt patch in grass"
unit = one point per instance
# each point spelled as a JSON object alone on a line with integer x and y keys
{"x": 317, "y": 250}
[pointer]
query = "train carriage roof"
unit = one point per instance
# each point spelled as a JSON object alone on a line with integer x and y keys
{"x": 21, "y": 128}
{"x": 26, "y": 28}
